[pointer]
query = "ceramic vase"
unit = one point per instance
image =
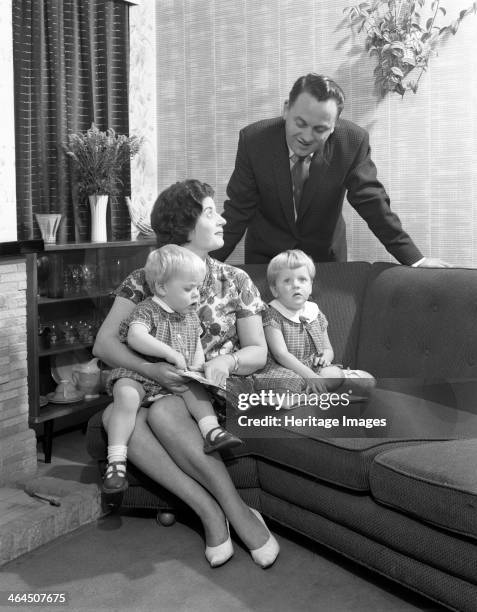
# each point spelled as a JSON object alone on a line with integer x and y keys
{"x": 98, "y": 205}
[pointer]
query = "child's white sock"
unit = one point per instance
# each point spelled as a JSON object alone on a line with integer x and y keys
{"x": 117, "y": 453}
{"x": 206, "y": 424}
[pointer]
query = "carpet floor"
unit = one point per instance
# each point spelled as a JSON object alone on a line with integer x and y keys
{"x": 125, "y": 562}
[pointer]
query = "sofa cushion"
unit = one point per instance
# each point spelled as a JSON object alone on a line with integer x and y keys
{"x": 436, "y": 482}
{"x": 419, "y": 323}
{"x": 341, "y": 454}
{"x": 344, "y": 462}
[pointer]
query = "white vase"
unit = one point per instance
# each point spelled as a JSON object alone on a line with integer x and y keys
{"x": 98, "y": 204}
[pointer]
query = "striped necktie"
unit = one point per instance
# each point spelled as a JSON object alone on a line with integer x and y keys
{"x": 299, "y": 173}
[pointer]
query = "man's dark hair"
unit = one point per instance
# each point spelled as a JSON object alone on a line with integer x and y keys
{"x": 320, "y": 87}
{"x": 176, "y": 210}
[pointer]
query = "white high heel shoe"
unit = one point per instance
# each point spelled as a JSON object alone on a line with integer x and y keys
{"x": 218, "y": 555}
{"x": 266, "y": 555}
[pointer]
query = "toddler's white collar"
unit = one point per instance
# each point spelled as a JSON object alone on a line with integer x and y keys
{"x": 309, "y": 311}
{"x": 162, "y": 304}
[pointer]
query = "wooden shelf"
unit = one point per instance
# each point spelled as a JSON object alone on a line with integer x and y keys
{"x": 45, "y": 301}
{"x": 77, "y": 246}
{"x": 64, "y": 348}
{"x": 55, "y": 411}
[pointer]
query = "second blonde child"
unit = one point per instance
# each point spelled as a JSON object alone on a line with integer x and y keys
{"x": 297, "y": 331}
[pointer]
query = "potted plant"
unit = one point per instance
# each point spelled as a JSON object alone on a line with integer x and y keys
{"x": 398, "y": 39}
{"x": 99, "y": 159}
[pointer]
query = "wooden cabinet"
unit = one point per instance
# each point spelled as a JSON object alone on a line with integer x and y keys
{"x": 69, "y": 292}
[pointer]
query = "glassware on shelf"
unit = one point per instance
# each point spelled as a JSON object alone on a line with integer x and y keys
{"x": 86, "y": 331}
{"x": 76, "y": 275}
{"x": 89, "y": 277}
{"x": 48, "y": 224}
{"x": 117, "y": 272}
{"x": 53, "y": 336}
{"x": 67, "y": 282}
{"x": 69, "y": 332}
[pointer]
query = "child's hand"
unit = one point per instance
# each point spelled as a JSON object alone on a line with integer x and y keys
{"x": 177, "y": 360}
{"x": 321, "y": 361}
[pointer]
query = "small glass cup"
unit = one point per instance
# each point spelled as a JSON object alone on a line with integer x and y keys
{"x": 89, "y": 277}
{"x": 53, "y": 335}
{"x": 76, "y": 275}
{"x": 69, "y": 332}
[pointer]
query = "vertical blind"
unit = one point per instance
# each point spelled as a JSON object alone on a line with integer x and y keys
{"x": 70, "y": 69}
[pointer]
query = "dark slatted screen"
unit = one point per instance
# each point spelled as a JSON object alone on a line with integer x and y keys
{"x": 70, "y": 69}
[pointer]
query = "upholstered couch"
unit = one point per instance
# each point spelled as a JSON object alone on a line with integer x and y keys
{"x": 403, "y": 501}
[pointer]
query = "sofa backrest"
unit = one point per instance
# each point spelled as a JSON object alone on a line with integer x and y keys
{"x": 339, "y": 290}
{"x": 419, "y": 323}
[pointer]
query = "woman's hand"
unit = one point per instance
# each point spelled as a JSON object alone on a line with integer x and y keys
{"x": 217, "y": 370}
{"x": 166, "y": 375}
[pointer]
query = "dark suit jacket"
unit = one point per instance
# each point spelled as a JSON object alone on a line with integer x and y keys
{"x": 261, "y": 198}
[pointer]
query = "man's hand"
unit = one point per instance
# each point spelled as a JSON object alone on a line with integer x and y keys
{"x": 431, "y": 262}
{"x": 167, "y": 376}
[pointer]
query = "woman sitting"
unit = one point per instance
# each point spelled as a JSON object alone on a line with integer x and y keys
{"x": 166, "y": 443}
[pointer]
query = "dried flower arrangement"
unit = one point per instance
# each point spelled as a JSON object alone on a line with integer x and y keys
{"x": 99, "y": 158}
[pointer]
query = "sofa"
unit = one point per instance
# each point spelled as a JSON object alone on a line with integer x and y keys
{"x": 402, "y": 502}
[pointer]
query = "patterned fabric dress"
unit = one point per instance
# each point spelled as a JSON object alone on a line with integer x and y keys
{"x": 228, "y": 294}
{"x": 179, "y": 331}
{"x": 305, "y": 339}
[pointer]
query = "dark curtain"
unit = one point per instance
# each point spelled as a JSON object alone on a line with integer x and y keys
{"x": 71, "y": 64}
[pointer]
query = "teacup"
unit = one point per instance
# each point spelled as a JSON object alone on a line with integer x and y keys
{"x": 88, "y": 383}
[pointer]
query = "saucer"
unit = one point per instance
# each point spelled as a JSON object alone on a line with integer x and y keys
{"x": 54, "y": 399}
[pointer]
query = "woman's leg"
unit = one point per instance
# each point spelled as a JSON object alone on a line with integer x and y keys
{"x": 179, "y": 434}
{"x": 146, "y": 452}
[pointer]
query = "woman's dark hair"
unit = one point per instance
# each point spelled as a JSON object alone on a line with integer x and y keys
{"x": 320, "y": 87}
{"x": 176, "y": 210}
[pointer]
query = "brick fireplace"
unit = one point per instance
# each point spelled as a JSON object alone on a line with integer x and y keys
{"x": 18, "y": 458}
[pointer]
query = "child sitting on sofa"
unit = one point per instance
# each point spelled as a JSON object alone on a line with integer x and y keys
{"x": 297, "y": 331}
{"x": 165, "y": 326}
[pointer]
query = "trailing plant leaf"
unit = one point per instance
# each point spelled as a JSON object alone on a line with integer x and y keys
{"x": 398, "y": 39}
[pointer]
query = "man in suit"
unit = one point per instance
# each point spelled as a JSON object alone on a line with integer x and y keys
{"x": 287, "y": 206}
